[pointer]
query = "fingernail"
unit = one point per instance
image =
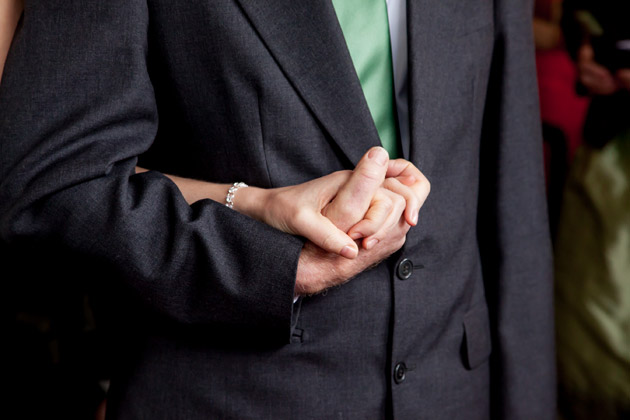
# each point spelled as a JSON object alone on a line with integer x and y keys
{"x": 356, "y": 235}
{"x": 370, "y": 244}
{"x": 379, "y": 155}
{"x": 414, "y": 218}
{"x": 348, "y": 252}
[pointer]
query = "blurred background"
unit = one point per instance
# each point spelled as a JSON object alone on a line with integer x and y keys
{"x": 58, "y": 356}
{"x": 583, "y": 65}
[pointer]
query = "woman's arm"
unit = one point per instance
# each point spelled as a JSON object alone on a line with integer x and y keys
{"x": 376, "y": 203}
{"x": 296, "y": 210}
{"x": 10, "y": 11}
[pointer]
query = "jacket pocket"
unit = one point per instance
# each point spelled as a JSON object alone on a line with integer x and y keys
{"x": 477, "y": 344}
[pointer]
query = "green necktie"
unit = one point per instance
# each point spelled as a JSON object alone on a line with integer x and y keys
{"x": 365, "y": 27}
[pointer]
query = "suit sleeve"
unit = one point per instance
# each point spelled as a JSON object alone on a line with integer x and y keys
{"x": 513, "y": 229}
{"x": 76, "y": 109}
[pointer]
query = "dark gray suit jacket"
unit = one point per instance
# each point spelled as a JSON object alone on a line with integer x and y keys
{"x": 265, "y": 92}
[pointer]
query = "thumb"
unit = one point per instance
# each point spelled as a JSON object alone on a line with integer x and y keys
{"x": 354, "y": 197}
{"x": 323, "y": 233}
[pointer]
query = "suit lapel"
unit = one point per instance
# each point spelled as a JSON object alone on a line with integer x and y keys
{"x": 305, "y": 39}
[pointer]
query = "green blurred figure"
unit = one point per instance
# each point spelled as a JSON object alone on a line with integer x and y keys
{"x": 593, "y": 240}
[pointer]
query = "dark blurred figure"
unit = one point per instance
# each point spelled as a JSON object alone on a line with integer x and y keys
{"x": 56, "y": 361}
{"x": 562, "y": 109}
{"x": 560, "y": 106}
{"x": 593, "y": 242}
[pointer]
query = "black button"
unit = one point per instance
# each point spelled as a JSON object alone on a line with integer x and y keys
{"x": 404, "y": 269}
{"x": 400, "y": 372}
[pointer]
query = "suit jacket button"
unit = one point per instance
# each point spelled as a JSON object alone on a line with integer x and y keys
{"x": 400, "y": 372}
{"x": 404, "y": 269}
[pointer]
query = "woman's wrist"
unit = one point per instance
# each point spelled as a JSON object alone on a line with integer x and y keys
{"x": 251, "y": 201}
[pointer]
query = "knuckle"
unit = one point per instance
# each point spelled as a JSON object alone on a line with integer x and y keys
{"x": 390, "y": 183}
{"x": 365, "y": 228}
{"x": 348, "y": 213}
{"x": 401, "y": 235}
{"x": 371, "y": 174}
{"x": 345, "y": 216}
{"x": 425, "y": 187}
{"x": 422, "y": 178}
{"x": 301, "y": 217}
{"x": 387, "y": 205}
{"x": 399, "y": 203}
{"x": 413, "y": 168}
{"x": 396, "y": 244}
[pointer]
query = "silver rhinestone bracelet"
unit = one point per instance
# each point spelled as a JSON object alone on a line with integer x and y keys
{"x": 229, "y": 199}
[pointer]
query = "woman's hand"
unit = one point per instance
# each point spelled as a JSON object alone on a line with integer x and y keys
{"x": 297, "y": 210}
{"x": 322, "y": 210}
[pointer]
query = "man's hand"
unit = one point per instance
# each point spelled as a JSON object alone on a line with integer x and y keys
{"x": 319, "y": 270}
{"x": 298, "y": 210}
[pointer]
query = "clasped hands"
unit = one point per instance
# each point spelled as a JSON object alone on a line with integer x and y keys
{"x": 351, "y": 219}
